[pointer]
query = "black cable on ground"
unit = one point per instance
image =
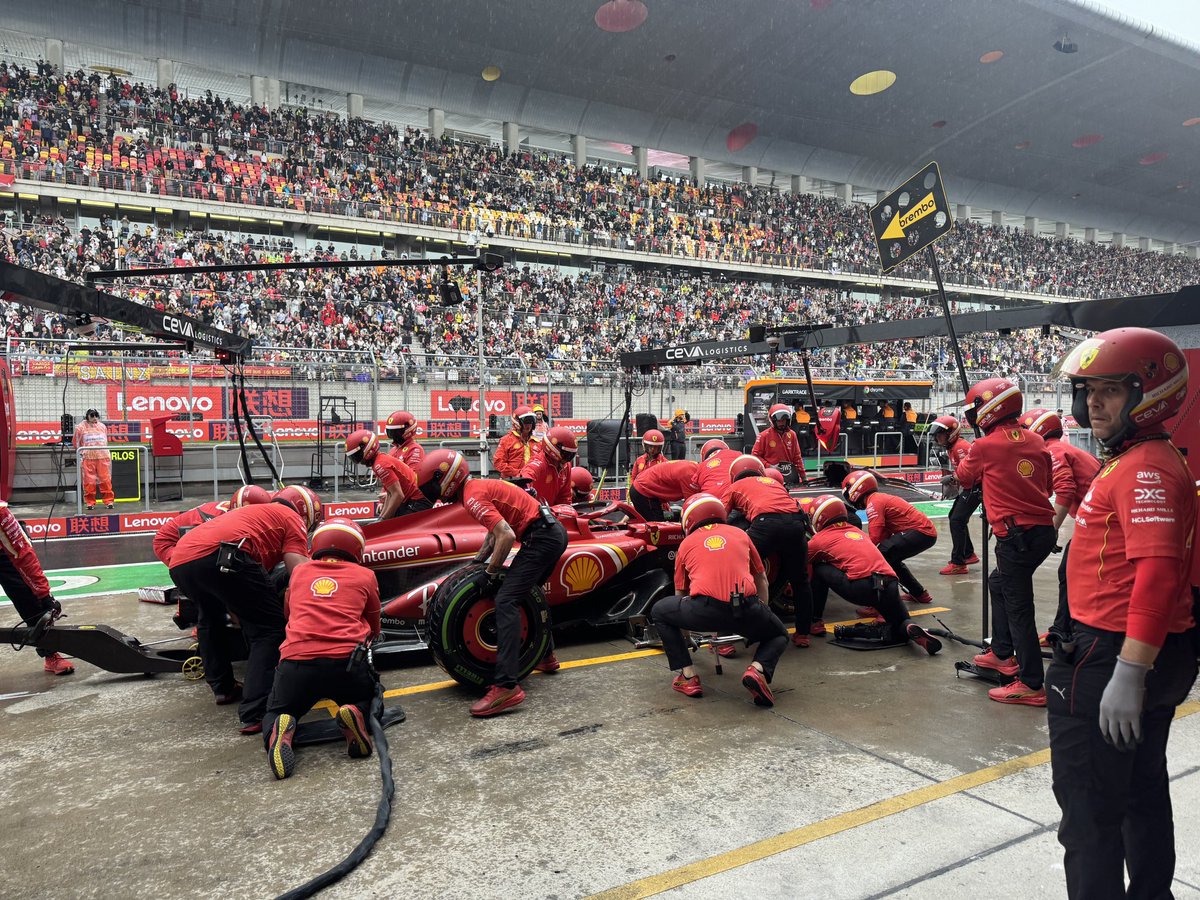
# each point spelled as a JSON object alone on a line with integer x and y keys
{"x": 382, "y": 814}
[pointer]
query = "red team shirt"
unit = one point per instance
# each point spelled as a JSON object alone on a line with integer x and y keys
{"x": 1074, "y": 469}
{"x": 957, "y": 452}
{"x": 888, "y": 515}
{"x": 712, "y": 562}
{"x": 331, "y": 605}
{"x": 758, "y": 495}
{"x": 712, "y": 475}
{"x": 644, "y": 462}
{"x": 390, "y": 470}
{"x": 1148, "y": 491}
{"x": 410, "y": 453}
{"x": 1015, "y": 468}
{"x": 551, "y": 483}
{"x": 845, "y": 547}
{"x": 773, "y": 448}
{"x": 491, "y": 502}
{"x": 270, "y": 529}
{"x": 673, "y": 480}
{"x": 169, "y": 534}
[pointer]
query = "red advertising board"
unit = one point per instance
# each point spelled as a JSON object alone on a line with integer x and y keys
{"x": 144, "y": 401}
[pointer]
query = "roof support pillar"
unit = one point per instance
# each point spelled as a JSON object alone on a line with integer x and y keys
{"x": 1031, "y": 224}
{"x": 962, "y": 213}
{"x": 997, "y": 218}
{"x": 696, "y": 165}
{"x": 1118, "y": 239}
{"x": 844, "y": 192}
{"x": 750, "y": 174}
{"x": 1089, "y": 235}
{"x": 579, "y": 148}
{"x": 1144, "y": 244}
{"x": 166, "y": 73}
{"x": 354, "y": 106}
{"x": 639, "y": 160}
{"x": 512, "y": 137}
{"x": 1061, "y": 229}
{"x": 54, "y": 53}
{"x": 799, "y": 184}
{"x": 258, "y": 90}
{"x": 437, "y": 123}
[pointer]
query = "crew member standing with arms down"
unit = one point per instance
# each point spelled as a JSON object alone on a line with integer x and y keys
{"x": 679, "y": 434}
{"x": 398, "y": 482}
{"x": 895, "y": 526}
{"x": 674, "y": 480}
{"x": 1074, "y": 469}
{"x": 91, "y": 436}
{"x": 549, "y": 472}
{"x": 1115, "y": 685}
{"x": 509, "y": 514}
{"x": 401, "y": 429}
{"x": 219, "y": 581}
{"x": 778, "y": 443}
{"x": 25, "y": 584}
{"x": 332, "y": 607}
{"x": 712, "y": 476}
{"x": 722, "y": 587}
{"x": 652, "y": 445}
{"x": 517, "y": 447}
{"x": 1014, "y": 467}
{"x": 842, "y": 558}
{"x": 777, "y": 527}
{"x": 947, "y": 434}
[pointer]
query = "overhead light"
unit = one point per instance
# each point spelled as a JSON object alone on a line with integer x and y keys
{"x": 1066, "y": 45}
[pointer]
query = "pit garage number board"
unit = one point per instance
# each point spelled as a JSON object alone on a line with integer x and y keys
{"x": 911, "y": 218}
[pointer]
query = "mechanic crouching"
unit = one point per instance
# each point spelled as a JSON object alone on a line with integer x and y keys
{"x": 25, "y": 584}
{"x": 332, "y": 609}
{"x": 223, "y": 566}
{"x": 722, "y": 588}
{"x": 508, "y": 513}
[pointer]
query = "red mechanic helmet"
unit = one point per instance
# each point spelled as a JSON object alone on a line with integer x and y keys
{"x": 780, "y": 411}
{"x": 701, "y": 509}
{"x": 523, "y": 415}
{"x": 581, "y": 480}
{"x": 991, "y": 401}
{"x": 653, "y": 438}
{"x": 400, "y": 425}
{"x": 1149, "y": 362}
{"x": 559, "y": 445}
{"x": 249, "y": 495}
{"x": 745, "y": 466}
{"x": 826, "y": 510}
{"x": 441, "y": 474}
{"x": 341, "y": 537}
{"x": 857, "y": 485}
{"x": 949, "y": 424}
{"x": 712, "y": 446}
{"x": 1043, "y": 422}
{"x": 773, "y": 473}
{"x": 362, "y": 446}
{"x": 303, "y": 500}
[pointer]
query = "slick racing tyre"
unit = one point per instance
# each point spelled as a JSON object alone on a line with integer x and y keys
{"x": 462, "y": 627}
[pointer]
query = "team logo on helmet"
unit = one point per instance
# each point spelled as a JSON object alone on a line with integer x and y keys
{"x": 714, "y": 542}
{"x": 1088, "y": 355}
{"x": 1025, "y": 468}
{"x": 1171, "y": 361}
{"x": 324, "y": 587}
{"x": 988, "y": 395}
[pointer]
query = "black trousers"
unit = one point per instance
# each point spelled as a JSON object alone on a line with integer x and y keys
{"x": 964, "y": 507}
{"x": 251, "y": 597}
{"x": 677, "y": 449}
{"x": 1116, "y": 806}
{"x": 1062, "y": 618}
{"x": 647, "y": 507}
{"x": 905, "y": 545}
{"x": 756, "y": 623}
{"x": 785, "y": 535}
{"x": 882, "y": 593}
{"x": 28, "y": 607}
{"x": 417, "y": 504}
{"x": 1014, "y": 627}
{"x": 541, "y": 546}
{"x": 299, "y": 683}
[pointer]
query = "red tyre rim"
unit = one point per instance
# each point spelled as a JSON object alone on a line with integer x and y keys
{"x": 479, "y": 630}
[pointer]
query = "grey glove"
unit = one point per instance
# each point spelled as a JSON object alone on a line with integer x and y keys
{"x": 1121, "y": 705}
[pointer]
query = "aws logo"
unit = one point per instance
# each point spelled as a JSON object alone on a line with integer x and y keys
{"x": 324, "y": 587}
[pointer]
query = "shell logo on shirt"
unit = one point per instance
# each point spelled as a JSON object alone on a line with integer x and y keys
{"x": 713, "y": 463}
{"x": 715, "y": 542}
{"x": 854, "y": 535}
{"x": 1025, "y": 468}
{"x": 324, "y": 587}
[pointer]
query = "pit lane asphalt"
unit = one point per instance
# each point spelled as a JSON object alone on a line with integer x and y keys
{"x": 603, "y": 778}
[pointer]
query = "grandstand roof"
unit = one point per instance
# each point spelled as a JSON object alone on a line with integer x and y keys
{"x": 1094, "y": 137}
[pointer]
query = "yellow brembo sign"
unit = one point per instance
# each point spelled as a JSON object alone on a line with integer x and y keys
{"x": 900, "y": 221}
{"x": 911, "y": 217}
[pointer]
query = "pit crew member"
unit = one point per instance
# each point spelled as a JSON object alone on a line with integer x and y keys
{"x": 401, "y": 429}
{"x": 778, "y": 443}
{"x": 895, "y": 526}
{"x": 399, "y": 495}
{"x": 652, "y": 444}
{"x": 1131, "y": 661}
{"x": 712, "y": 476}
{"x": 721, "y": 587}
{"x": 332, "y": 607}
{"x": 581, "y": 485}
{"x": 672, "y": 481}
{"x": 25, "y": 584}
{"x": 509, "y": 514}
{"x": 549, "y": 472}
{"x": 517, "y": 447}
{"x": 947, "y": 434}
{"x": 1015, "y": 469}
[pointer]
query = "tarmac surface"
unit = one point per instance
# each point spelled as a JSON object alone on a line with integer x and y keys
{"x": 876, "y": 774}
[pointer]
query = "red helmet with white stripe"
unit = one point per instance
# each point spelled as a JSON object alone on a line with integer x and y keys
{"x": 745, "y": 466}
{"x": 362, "y": 446}
{"x": 780, "y": 414}
{"x": 653, "y": 438}
{"x": 701, "y": 509}
{"x": 1043, "y": 422}
{"x": 303, "y": 500}
{"x": 249, "y": 495}
{"x": 858, "y": 485}
{"x": 441, "y": 474}
{"x": 712, "y": 446}
{"x": 559, "y": 445}
{"x": 947, "y": 424}
{"x": 400, "y": 425}
{"x": 992, "y": 401}
{"x": 772, "y": 472}
{"x": 340, "y": 537}
{"x": 581, "y": 482}
{"x": 826, "y": 510}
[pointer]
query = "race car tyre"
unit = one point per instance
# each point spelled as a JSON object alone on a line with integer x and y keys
{"x": 461, "y": 625}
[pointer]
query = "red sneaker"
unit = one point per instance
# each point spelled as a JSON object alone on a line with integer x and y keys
{"x": 280, "y": 755}
{"x": 922, "y": 597}
{"x": 549, "y": 664}
{"x": 973, "y": 559}
{"x": 726, "y": 650}
{"x": 866, "y": 612}
{"x": 233, "y": 695}
{"x": 54, "y": 664}
{"x": 689, "y": 687}
{"x": 250, "y": 728}
{"x": 497, "y": 700}
{"x": 990, "y": 660}
{"x": 801, "y": 640}
{"x": 923, "y": 639}
{"x": 817, "y": 629}
{"x": 954, "y": 569}
{"x": 354, "y": 729}
{"x": 1018, "y": 694}
{"x": 756, "y": 683}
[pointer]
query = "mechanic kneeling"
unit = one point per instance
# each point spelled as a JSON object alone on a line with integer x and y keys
{"x": 723, "y": 588}
{"x": 332, "y": 609}
{"x": 895, "y": 526}
{"x": 399, "y": 483}
{"x": 507, "y": 512}
{"x": 223, "y": 566}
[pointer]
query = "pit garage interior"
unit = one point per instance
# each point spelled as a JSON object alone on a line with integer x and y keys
{"x": 876, "y": 774}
